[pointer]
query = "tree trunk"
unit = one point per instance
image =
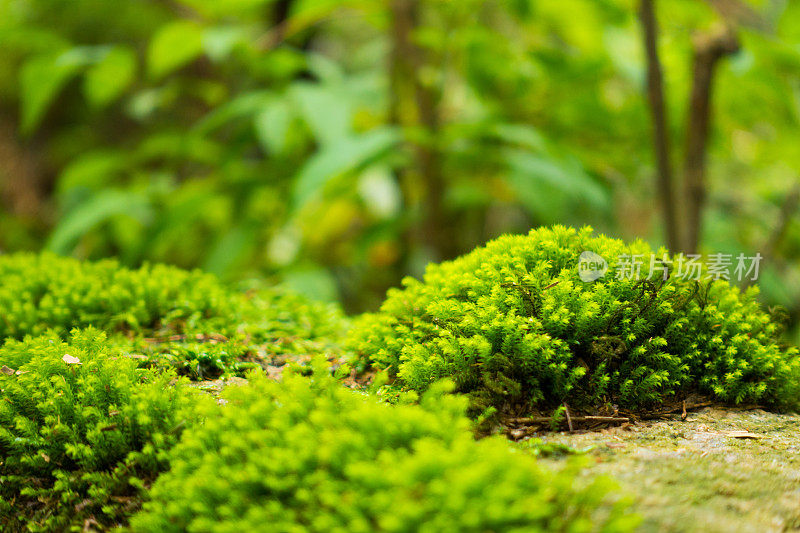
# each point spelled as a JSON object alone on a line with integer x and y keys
{"x": 23, "y": 185}
{"x": 414, "y": 106}
{"x": 708, "y": 50}
{"x": 661, "y": 145}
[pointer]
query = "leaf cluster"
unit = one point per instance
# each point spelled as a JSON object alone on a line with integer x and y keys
{"x": 40, "y": 292}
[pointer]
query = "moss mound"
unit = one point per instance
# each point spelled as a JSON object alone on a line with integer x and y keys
{"x": 187, "y": 320}
{"x": 515, "y": 327}
{"x": 39, "y": 292}
{"x": 309, "y": 455}
{"x": 82, "y": 432}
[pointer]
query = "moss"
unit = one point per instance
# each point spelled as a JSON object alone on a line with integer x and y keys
{"x": 41, "y": 292}
{"x": 81, "y": 441}
{"x": 83, "y": 431}
{"x": 308, "y": 455}
{"x": 167, "y": 316}
{"x": 92, "y": 423}
{"x": 515, "y": 327}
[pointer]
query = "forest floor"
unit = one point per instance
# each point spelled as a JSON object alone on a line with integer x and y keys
{"x": 719, "y": 470}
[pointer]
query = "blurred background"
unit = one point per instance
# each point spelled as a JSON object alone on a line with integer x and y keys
{"x": 335, "y": 146}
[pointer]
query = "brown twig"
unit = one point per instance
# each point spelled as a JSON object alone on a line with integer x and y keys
{"x": 548, "y": 419}
{"x": 201, "y": 337}
{"x": 677, "y": 409}
{"x": 569, "y": 420}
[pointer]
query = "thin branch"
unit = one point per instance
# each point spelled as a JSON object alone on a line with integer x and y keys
{"x": 708, "y": 50}
{"x": 569, "y": 419}
{"x": 547, "y": 419}
{"x": 655, "y": 95}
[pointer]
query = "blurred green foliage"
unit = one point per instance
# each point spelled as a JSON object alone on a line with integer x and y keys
{"x": 302, "y": 141}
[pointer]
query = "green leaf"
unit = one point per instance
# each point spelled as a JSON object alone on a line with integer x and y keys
{"x": 521, "y": 135}
{"x": 380, "y": 191}
{"x": 103, "y": 206}
{"x": 549, "y": 185}
{"x": 92, "y": 170}
{"x": 243, "y": 105}
{"x": 272, "y": 126}
{"x": 43, "y": 77}
{"x": 229, "y": 249}
{"x": 326, "y": 111}
{"x": 105, "y": 81}
{"x": 313, "y": 282}
{"x": 347, "y": 154}
{"x": 220, "y": 9}
{"x": 173, "y": 46}
{"x": 220, "y": 41}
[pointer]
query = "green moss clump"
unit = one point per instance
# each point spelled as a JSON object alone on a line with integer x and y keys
{"x": 82, "y": 432}
{"x": 309, "y": 455}
{"x": 40, "y": 292}
{"x": 184, "y": 319}
{"x": 513, "y": 325}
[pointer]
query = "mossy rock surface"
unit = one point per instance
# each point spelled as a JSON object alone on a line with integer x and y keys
{"x": 721, "y": 470}
{"x": 516, "y": 328}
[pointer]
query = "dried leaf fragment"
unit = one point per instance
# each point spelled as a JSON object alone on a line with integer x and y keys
{"x": 742, "y": 435}
{"x": 71, "y": 359}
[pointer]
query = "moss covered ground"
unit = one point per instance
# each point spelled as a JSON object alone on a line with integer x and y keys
{"x": 83, "y": 408}
{"x": 719, "y": 470}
